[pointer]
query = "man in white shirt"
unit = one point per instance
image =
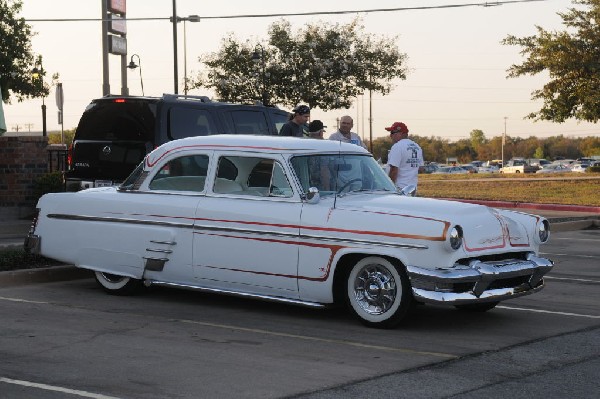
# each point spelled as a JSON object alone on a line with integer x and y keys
{"x": 345, "y": 134}
{"x": 405, "y": 157}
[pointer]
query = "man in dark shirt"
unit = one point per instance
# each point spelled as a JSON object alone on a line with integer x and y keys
{"x": 295, "y": 127}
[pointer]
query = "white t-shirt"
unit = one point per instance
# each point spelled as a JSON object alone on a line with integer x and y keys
{"x": 407, "y": 156}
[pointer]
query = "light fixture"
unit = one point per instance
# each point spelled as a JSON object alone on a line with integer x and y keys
{"x": 132, "y": 65}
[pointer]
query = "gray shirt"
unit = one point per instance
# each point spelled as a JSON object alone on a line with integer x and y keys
{"x": 354, "y": 138}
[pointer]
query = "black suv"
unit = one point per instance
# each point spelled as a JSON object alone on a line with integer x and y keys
{"x": 116, "y": 132}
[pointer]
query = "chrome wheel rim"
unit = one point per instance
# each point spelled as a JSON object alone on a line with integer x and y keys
{"x": 375, "y": 289}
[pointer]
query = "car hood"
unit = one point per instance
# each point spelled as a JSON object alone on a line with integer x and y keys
{"x": 425, "y": 219}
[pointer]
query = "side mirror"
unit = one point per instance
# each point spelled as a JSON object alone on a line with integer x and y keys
{"x": 409, "y": 191}
{"x": 313, "y": 196}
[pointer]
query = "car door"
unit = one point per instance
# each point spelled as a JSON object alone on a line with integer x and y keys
{"x": 169, "y": 204}
{"x": 246, "y": 232}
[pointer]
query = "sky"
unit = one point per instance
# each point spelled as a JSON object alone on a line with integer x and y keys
{"x": 457, "y": 66}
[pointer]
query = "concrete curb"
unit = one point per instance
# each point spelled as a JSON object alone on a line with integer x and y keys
{"x": 529, "y": 205}
{"x": 574, "y": 225}
{"x": 42, "y": 275}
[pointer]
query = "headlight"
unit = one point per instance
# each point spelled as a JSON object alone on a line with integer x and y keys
{"x": 455, "y": 237}
{"x": 543, "y": 231}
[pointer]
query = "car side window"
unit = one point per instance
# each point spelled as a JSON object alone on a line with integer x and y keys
{"x": 186, "y": 173}
{"x": 258, "y": 177}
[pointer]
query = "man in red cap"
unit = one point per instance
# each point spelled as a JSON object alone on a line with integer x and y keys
{"x": 405, "y": 157}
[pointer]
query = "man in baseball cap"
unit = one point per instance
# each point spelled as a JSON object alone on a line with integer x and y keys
{"x": 316, "y": 129}
{"x": 405, "y": 157}
{"x": 296, "y": 126}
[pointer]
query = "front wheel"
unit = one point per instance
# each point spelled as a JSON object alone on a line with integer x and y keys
{"x": 378, "y": 292}
{"x": 117, "y": 285}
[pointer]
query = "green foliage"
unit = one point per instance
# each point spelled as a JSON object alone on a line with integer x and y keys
{"x": 13, "y": 259}
{"x": 49, "y": 183}
{"x": 539, "y": 153}
{"x": 571, "y": 60}
{"x": 16, "y": 59}
{"x": 54, "y": 138}
{"x": 323, "y": 66}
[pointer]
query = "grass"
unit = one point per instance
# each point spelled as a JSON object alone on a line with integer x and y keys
{"x": 16, "y": 258}
{"x": 542, "y": 189}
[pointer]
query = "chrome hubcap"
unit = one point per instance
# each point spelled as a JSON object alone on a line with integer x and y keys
{"x": 375, "y": 289}
{"x": 112, "y": 278}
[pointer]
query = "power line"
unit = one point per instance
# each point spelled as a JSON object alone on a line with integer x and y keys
{"x": 303, "y": 14}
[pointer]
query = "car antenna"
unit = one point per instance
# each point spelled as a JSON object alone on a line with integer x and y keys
{"x": 337, "y": 170}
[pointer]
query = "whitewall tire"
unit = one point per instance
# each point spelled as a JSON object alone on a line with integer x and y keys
{"x": 378, "y": 292}
{"x": 117, "y": 285}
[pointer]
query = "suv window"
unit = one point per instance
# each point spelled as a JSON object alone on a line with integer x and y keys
{"x": 186, "y": 122}
{"x": 250, "y": 122}
{"x": 130, "y": 121}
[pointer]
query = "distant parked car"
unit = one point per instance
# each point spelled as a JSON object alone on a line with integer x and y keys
{"x": 429, "y": 168}
{"x": 580, "y": 167}
{"x": 488, "y": 169}
{"x": 451, "y": 170}
{"x": 470, "y": 168}
{"x": 554, "y": 168}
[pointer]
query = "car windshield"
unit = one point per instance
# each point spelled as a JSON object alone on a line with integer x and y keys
{"x": 341, "y": 173}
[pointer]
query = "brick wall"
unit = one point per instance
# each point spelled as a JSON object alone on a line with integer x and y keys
{"x": 22, "y": 161}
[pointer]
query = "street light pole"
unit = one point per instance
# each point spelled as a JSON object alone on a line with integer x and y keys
{"x": 261, "y": 57}
{"x": 175, "y": 20}
{"x": 35, "y": 73}
{"x": 175, "y": 74}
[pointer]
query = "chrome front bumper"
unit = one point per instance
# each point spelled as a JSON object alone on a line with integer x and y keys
{"x": 479, "y": 281}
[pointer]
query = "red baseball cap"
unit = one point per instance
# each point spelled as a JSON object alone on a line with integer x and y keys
{"x": 397, "y": 127}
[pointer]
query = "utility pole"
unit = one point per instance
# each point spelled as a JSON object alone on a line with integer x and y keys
{"x": 504, "y": 140}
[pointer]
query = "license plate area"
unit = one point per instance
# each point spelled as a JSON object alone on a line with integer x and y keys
{"x": 103, "y": 183}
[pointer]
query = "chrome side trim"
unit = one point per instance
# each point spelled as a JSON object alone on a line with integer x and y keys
{"x": 306, "y": 237}
{"x": 348, "y": 241}
{"x": 164, "y": 251}
{"x": 119, "y": 220}
{"x": 237, "y": 293}
{"x": 163, "y": 242}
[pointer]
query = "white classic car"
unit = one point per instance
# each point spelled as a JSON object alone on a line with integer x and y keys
{"x": 303, "y": 221}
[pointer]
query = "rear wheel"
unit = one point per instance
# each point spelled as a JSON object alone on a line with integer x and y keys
{"x": 477, "y": 307}
{"x": 378, "y": 292}
{"x": 117, "y": 285}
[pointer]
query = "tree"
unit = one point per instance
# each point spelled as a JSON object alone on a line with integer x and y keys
{"x": 571, "y": 60}
{"x": 326, "y": 67}
{"x": 16, "y": 59}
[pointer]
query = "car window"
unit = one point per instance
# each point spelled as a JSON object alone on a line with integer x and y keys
{"x": 186, "y": 173}
{"x": 187, "y": 122}
{"x": 258, "y": 177}
{"x": 340, "y": 173}
{"x": 250, "y": 122}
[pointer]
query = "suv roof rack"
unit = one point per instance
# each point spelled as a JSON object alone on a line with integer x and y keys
{"x": 204, "y": 99}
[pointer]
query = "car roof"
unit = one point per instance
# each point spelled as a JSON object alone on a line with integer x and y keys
{"x": 254, "y": 143}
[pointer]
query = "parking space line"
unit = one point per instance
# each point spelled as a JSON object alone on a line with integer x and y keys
{"x": 56, "y": 389}
{"x": 572, "y": 255}
{"x": 587, "y": 316}
{"x": 22, "y": 300}
{"x": 318, "y": 339}
{"x": 581, "y": 280}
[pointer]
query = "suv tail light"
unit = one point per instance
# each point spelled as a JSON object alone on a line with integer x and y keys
{"x": 70, "y": 156}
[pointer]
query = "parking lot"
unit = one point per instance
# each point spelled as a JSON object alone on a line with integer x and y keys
{"x": 68, "y": 339}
